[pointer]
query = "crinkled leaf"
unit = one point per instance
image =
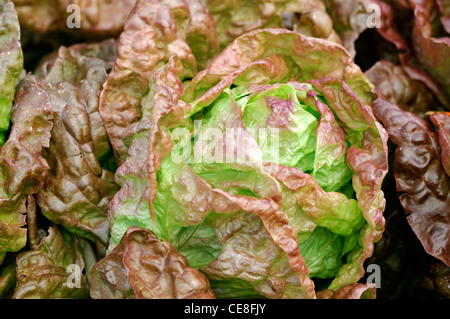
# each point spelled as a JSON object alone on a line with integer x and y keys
{"x": 77, "y": 190}
{"x": 205, "y": 199}
{"x": 234, "y": 18}
{"x": 332, "y": 210}
{"x": 109, "y": 278}
{"x": 143, "y": 266}
{"x": 153, "y": 33}
{"x": 399, "y": 88}
{"x": 367, "y": 157}
{"x": 45, "y": 272}
{"x": 45, "y": 13}
{"x": 23, "y": 170}
{"x": 420, "y": 178}
{"x": 137, "y": 175}
{"x": 251, "y": 256}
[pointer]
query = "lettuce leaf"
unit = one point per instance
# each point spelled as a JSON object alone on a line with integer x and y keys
{"x": 399, "y": 88}
{"x": 168, "y": 28}
{"x": 23, "y": 169}
{"x": 142, "y": 266}
{"x": 77, "y": 190}
{"x": 234, "y": 18}
{"x": 44, "y": 272}
{"x": 349, "y": 20}
{"x": 11, "y": 61}
{"x": 421, "y": 180}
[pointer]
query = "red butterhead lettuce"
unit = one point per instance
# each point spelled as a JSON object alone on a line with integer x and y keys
{"x": 256, "y": 220}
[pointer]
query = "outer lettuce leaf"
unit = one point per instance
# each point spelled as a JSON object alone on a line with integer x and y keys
{"x": 23, "y": 170}
{"x": 420, "y": 178}
{"x": 99, "y": 19}
{"x": 200, "y": 33}
{"x": 43, "y": 272}
{"x": 11, "y": 61}
{"x": 49, "y": 19}
{"x": 236, "y": 17}
{"x": 77, "y": 190}
{"x": 168, "y": 29}
{"x": 109, "y": 278}
{"x": 399, "y": 88}
{"x": 145, "y": 267}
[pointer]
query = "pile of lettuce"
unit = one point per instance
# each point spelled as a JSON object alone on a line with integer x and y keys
{"x": 206, "y": 149}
